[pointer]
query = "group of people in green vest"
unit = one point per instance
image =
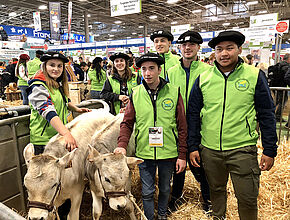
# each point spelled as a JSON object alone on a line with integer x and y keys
{"x": 182, "y": 112}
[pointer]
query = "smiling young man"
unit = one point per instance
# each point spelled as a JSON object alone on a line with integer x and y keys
{"x": 156, "y": 107}
{"x": 183, "y": 75}
{"x": 162, "y": 42}
{"x": 224, "y": 106}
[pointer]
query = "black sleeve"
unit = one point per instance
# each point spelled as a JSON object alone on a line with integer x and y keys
{"x": 287, "y": 77}
{"x": 195, "y": 105}
{"x": 266, "y": 116}
{"x": 107, "y": 92}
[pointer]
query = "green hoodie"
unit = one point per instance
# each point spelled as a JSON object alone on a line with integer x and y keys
{"x": 170, "y": 61}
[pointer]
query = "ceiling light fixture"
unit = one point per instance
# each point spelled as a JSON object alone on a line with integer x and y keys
{"x": 42, "y": 7}
{"x": 118, "y": 22}
{"x": 174, "y": 22}
{"x": 252, "y": 3}
{"x": 197, "y": 11}
{"x": 226, "y": 24}
{"x": 89, "y": 15}
{"x": 172, "y": 1}
{"x": 134, "y": 33}
{"x": 153, "y": 17}
{"x": 12, "y": 14}
{"x": 140, "y": 26}
{"x": 114, "y": 30}
{"x": 210, "y": 6}
{"x": 128, "y": 37}
{"x": 203, "y": 30}
{"x": 262, "y": 12}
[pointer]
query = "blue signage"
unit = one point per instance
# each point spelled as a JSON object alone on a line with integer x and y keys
{"x": 30, "y": 32}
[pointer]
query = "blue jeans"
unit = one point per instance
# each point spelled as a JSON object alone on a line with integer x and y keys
{"x": 24, "y": 94}
{"x": 147, "y": 171}
{"x": 95, "y": 94}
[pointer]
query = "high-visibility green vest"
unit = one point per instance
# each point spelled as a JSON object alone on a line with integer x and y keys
{"x": 115, "y": 84}
{"x": 177, "y": 77}
{"x": 170, "y": 61}
{"x": 163, "y": 116}
{"x": 33, "y": 66}
{"x": 95, "y": 84}
{"x": 21, "y": 82}
{"x": 40, "y": 129}
{"x": 228, "y": 116}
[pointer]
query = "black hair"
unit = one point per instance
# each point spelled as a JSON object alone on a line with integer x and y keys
{"x": 96, "y": 65}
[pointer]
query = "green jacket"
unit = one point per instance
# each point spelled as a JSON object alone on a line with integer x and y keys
{"x": 40, "y": 129}
{"x": 115, "y": 84}
{"x": 21, "y": 82}
{"x": 170, "y": 61}
{"x": 33, "y": 66}
{"x": 177, "y": 77}
{"x": 227, "y": 99}
{"x": 163, "y": 114}
{"x": 95, "y": 84}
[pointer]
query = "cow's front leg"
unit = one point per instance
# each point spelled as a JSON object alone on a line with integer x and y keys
{"x": 75, "y": 204}
{"x": 130, "y": 209}
{"x": 97, "y": 206}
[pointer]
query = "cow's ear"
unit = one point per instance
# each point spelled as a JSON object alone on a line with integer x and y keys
{"x": 133, "y": 161}
{"x": 28, "y": 152}
{"x": 93, "y": 154}
{"x": 65, "y": 161}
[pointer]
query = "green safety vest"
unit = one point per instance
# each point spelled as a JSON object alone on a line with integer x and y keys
{"x": 165, "y": 112}
{"x": 33, "y": 66}
{"x": 115, "y": 84}
{"x": 21, "y": 82}
{"x": 228, "y": 116}
{"x": 40, "y": 129}
{"x": 177, "y": 77}
{"x": 95, "y": 84}
{"x": 170, "y": 61}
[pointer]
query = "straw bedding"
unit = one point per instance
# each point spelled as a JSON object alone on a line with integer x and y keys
{"x": 273, "y": 200}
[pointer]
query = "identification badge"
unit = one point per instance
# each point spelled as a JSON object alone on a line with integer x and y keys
{"x": 156, "y": 137}
{"x": 69, "y": 117}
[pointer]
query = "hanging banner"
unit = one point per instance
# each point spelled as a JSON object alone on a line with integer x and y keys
{"x": 37, "y": 21}
{"x": 54, "y": 13}
{"x": 263, "y": 20}
{"x": 179, "y": 29}
{"x": 69, "y": 18}
{"x": 124, "y": 7}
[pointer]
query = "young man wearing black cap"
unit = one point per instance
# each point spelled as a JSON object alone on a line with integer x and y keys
{"x": 157, "y": 108}
{"x": 162, "y": 42}
{"x": 34, "y": 65}
{"x": 183, "y": 75}
{"x": 224, "y": 106}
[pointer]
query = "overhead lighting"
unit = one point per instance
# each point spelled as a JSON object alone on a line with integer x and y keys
{"x": 203, "y": 30}
{"x": 252, "y": 3}
{"x": 90, "y": 26}
{"x": 111, "y": 35}
{"x": 214, "y": 18}
{"x": 153, "y": 17}
{"x": 262, "y": 12}
{"x": 118, "y": 22}
{"x": 12, "y": 14}
{"x": 114, "y": 30}
{"x": 174, "y": 22}
{"x": 134, "y": 33}
{"x": 110, "y": 39}
{"x": 197, "y": 11}
{"x": 226, "y": 24}
{"x": 42, "y": 7}
{"x": 128, "y": 37}
{"x": 82, "y": 0}
{"x": 210, "y": 6}
{"x": 140, "y": 26}
{"x": 89, "y": 15}
{"x": 30, "y": 25}
{"x": 97, "y": 35}
{"x": 172, "y": 1}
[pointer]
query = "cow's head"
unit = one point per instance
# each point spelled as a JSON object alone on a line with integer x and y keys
{"x": 112, "y": 175}
{"x": 43, "y": 181}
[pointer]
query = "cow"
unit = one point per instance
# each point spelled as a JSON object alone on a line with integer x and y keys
{"x": 57, "y": 175}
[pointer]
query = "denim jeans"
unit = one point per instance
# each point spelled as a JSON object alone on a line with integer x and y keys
{"x": 147, "y": 171}
{"x": 24, "y": 94}
{"x": 95, "y": 94}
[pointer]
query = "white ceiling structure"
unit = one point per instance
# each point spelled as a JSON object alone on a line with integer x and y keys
{"x": 206, "y": 15}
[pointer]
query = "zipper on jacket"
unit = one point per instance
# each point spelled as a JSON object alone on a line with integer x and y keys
{"x": 44, "y": 128}
{"x": 165, "y": 76}
{"x": 176, "y": 139}
{"x": 223, "y": 114}
{"x": 248, "y": 125}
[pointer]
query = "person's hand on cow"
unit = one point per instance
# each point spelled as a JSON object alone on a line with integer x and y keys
{"x": 180, "y": 165}
{"x": 120, "y": 150}
{"x": 194, "y": 158}
{"x": 122, "y": 110}
{"x": 266, "y": 162}
{"x": 81, "y": 110}
{"x": 74, "y": 108}
{"x": 124, "y": 99}
{"x": 70, "y": 142}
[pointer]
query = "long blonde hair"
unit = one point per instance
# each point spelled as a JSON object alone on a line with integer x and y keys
{"x": 55, "y": 84}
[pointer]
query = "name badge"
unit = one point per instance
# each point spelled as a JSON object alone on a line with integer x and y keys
{"x": 156, "y": 137}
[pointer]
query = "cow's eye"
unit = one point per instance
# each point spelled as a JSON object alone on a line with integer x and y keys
{"x": 107, "y": 180}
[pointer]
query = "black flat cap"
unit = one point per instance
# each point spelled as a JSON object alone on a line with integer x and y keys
{"x": 119, "y": 55}
{"x": 53, "y": 55}
{"x": 161, "y": 33}
{"x": 234, "y": 36}
{"x": 190, "y": 36}
{"x": 150, "y": 57}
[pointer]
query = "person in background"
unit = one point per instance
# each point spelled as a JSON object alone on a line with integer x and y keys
{"x": 162, "y": 42}
{"x": 105, "y": 63}
{"x": 11, "y": 69}
{"x": 97, "y": 78}
{"x": 135, "y": 69}
{"x": 250, "y": 59}
{"x": 211, "y": 59}
{"x": 34, "y": 65}
{"x": 225, "y": 104}
{"x": 156, "y": 108}
{"x": 3, "y": 34}
{"x": 81, "y": 59}
{"x": 23, "y": 38}
{"x": 183, "y": 75}
{"x": 119, "y": 84}
{"x": 85, "y": 68}
{"x": 131, "y": 61}
{"x": 23, "y": 77}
